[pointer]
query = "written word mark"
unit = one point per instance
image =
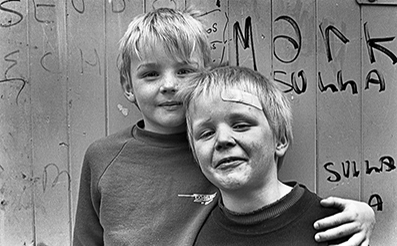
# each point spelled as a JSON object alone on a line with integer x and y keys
{"x": 386, "y": 164}
{"x": 246, "y": 39}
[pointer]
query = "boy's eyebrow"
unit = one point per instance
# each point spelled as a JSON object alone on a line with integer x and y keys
{"x": 144, "y": 65}
{"x": 239, "y": 96}
{"x": 201, "y": 123}
{"x": 154, "y": 64}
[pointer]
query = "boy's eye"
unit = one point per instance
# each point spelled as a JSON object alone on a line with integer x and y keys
{"x": 150, "y": 74}
{"x": 242, "y": 126}
{"x": 185, "y": 71}
{"x": 205, "y": 134}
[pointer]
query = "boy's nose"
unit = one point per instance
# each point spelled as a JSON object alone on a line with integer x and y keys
{"x": 224, "y": 140}
{"x": 170, "y": 85}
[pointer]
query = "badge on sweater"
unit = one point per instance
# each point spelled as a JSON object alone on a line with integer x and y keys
{"x": 203, "y": 199}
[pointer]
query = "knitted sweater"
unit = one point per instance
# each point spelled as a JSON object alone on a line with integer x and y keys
{"x": 286, "y": 222}
{"x": 129, "y": 189}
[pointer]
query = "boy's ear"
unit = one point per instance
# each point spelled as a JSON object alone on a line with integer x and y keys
{"x": 130, "y": 96}
{"x": 282, "y": 146}
{"x": 128, "y": 93}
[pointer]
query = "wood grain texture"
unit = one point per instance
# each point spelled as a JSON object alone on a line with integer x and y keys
{"x": 60, "y": 91}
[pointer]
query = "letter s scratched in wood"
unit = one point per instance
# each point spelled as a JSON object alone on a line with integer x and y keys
{"x": 10, "y": 22}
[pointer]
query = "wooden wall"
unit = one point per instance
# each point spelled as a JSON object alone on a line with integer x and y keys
{"x": 59, "y": 91}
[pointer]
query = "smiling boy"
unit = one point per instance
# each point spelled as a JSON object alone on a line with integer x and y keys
{"x": 239, "y": 127}
{"x": 141, "y": 185}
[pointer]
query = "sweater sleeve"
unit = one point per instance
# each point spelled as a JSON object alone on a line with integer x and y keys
{"x": 87, "y": 230}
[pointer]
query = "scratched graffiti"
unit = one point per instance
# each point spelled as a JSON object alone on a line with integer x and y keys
{"x": 227, "y": 35}
{"x": 350, "y": 169}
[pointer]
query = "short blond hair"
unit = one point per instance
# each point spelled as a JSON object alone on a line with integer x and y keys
{"x": 181, "y": 32}
{"x": 275, "y": 105}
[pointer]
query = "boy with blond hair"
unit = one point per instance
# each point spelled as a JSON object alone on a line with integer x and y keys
{"x": 239, "y": 127}
{"x": 141, "y": 186}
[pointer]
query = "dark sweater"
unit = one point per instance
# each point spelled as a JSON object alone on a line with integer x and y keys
{"x": 129, "y": 189}
{"x": 288, "y": 222}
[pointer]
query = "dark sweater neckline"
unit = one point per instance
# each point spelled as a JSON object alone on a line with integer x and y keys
{"x": 176, "y": 140}
{"x": 265, "y": 219}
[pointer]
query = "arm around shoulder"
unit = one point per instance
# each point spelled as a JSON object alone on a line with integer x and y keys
{"x": 356, "y": 219}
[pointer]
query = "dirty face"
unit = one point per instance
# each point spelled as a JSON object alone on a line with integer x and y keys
{"x": 233, "y": 142}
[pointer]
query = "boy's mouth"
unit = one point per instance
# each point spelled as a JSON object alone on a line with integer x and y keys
{"x": 170, "y": 103}
{"x": 229, "y": 161}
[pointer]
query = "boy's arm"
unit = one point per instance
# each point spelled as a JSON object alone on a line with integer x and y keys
{"x": 87, "y": 228}
{"x": 357, "y": 220}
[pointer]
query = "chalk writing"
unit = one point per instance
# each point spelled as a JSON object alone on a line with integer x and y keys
{"x": 295, "y": 43}
{"x": 118, "y": 6}
{"x": 378, "y": 204}
{"x": 346, "y": 170}
{"x": 216, "y": 42}
{"x": 380, "y": 80}
{"x": 10, "y": 22}
{"x": 372, "y": 43}
{"x": 339, "y": 81}
{"x": 94, "y": 63}
{"x": 166, "y": 3}
{"x": 326, "y": 37}
{"x": 386, "y": 164}
{"x": 13, "y": 80}
{"x": 80, "y": 8}
{"x": 245, "y": 38}
{"x": 293, "y": 85}
{"x": 43, "y": 63}
{"x": 12, "y": 61}
{"x": 384, "y": 161}
{"x": 374, "y": 76}
{"x": 57, "y": 175}
{"x": 50, "y": 7}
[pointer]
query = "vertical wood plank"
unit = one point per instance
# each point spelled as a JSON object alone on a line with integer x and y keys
{"x": 16, "y": 181}
{"x": 250, "y": 35}
{"x": 86, "y": 81}
{"x": 49, "y": 123}
{"x": 119, "y": 14}
{"x": 379, "y": 117}
{"x": 215, "y": 19}
{"x": 338, "y": 99}
{"x": 295, "y": 70}
{"x": 155, "y": 4}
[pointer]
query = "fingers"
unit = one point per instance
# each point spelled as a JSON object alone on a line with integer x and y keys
{"x": 335, "y": 202}
{"x": 336, "y": 220}
{"x": 355, "y": 222}
{"x": 355, "y": 240}
{"x": 342, "y": 231}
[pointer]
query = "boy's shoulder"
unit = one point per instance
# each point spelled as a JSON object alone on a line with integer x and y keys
{"x": 309, "y": 205}
{"x": 316, "y": 211}
{"x": 111, "y": 143}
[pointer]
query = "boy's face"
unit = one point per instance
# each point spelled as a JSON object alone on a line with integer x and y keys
{"x": 233, "y": 143}
{"x": 155, "y": 80}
